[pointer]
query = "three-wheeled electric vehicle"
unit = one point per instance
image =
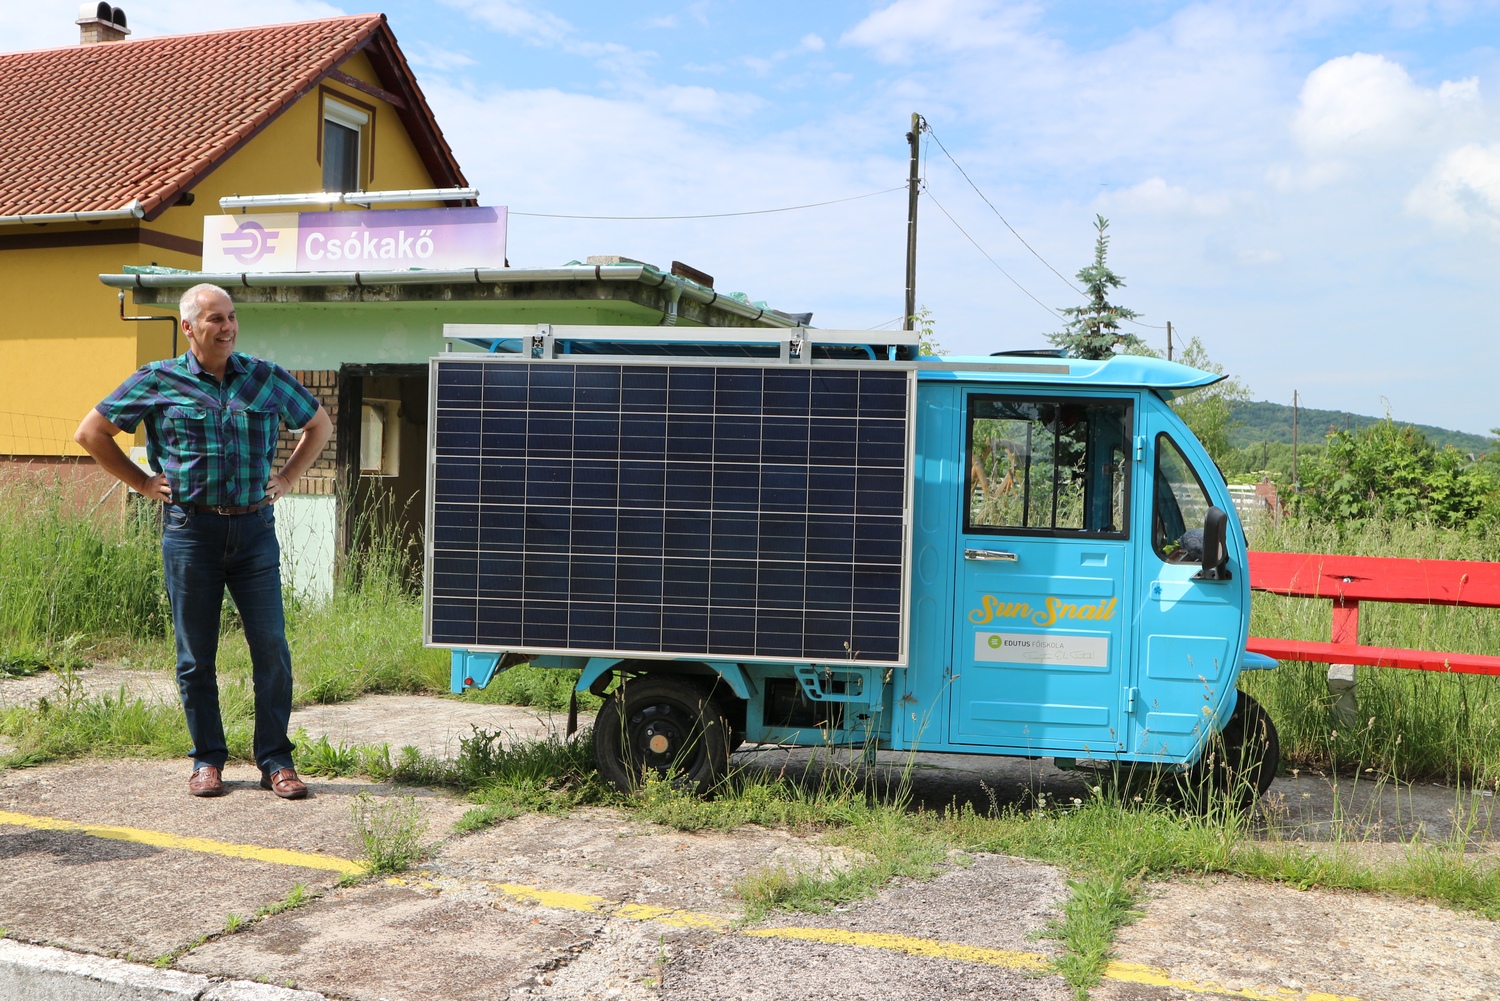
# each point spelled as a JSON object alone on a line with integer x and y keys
{"x": 801, "y": 536}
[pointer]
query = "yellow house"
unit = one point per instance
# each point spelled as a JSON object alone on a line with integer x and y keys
{"x": 113, "y": 151}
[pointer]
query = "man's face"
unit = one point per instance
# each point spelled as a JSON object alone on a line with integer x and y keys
{"x": 213, "y": 335}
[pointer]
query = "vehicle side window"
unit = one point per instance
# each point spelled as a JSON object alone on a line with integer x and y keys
{"x": 1179, "y": 505}
{"x": 1048, "y": 466}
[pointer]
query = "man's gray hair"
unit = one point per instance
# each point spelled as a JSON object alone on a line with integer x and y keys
{"x": 190, "y": 304}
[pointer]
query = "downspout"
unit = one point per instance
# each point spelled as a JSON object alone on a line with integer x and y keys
{"x": 147, "y": 319}
{"x": 669, "y": 318}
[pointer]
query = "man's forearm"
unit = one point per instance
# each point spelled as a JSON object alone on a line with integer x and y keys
{"x": 107, "y": 453}
{"x": 309, "y": 447}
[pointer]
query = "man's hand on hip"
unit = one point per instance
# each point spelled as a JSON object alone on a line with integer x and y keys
{"x": 157, "y": 488}
{"x": 277, "y": 487}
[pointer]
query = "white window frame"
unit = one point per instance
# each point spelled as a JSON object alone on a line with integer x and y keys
{"x": 350, "y": 118}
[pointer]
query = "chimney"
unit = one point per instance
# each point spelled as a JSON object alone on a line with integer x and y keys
{"x": 99, "y": 22}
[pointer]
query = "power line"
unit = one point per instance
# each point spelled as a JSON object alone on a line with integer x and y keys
{"x": 1018, "y": 236}
{"x": 707, "y": 215}
{"x": 987, "y": 257}
{"x": 1002, "y": 218}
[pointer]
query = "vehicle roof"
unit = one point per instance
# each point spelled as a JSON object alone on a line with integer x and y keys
{"x": 1120, "y": 372}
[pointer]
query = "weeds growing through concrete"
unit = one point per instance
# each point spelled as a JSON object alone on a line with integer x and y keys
{"x": 1096, "y": 907}
{"x": 296, "y": 897}
{"x": 390, "y": 831}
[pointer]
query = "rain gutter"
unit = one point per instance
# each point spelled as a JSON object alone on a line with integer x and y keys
{"x": 134, "y": 210}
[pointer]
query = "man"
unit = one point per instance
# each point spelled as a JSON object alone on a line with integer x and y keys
{"x": 212, "y": 417}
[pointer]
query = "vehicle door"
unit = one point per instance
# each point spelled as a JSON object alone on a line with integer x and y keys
{"x": 1044, "y": 580}
{"x": 1191, "y": 628}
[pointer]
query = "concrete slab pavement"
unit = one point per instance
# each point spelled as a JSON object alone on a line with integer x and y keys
{"x": 114, "y": 857}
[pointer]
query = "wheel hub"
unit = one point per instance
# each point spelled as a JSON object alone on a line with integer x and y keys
{"x": 660, "y": 735}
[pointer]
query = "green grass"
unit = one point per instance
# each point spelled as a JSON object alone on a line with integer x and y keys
{"x": 537, "y": 687}
{"x": 65, "y": 576}
{"x": 1097, "y": 905}
{"x": 73, "y": 588}
{"x": 391, "y": 832}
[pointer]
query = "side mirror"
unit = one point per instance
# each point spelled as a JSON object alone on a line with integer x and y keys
{"x": 1215, "y": 546}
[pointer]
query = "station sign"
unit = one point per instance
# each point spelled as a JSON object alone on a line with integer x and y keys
{"x": 446, "y": 239}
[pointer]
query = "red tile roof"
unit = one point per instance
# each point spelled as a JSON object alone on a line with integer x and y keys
{"x": 92, "y": 127}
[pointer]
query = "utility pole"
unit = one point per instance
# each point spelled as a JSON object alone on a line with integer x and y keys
{"x": 1295, "y": 481}
{"x": 1169, "y": 340}
{"x": 914, "y": 137}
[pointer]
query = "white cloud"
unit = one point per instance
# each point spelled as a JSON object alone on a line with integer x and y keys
{"x": 1463, "y": 190}
{"x": 1361, "y": 101}
{"x": 705, "y": 102}
{"x": 431, "y": 57}
{"x": 812, "y": 43}
{"x": 634, "y": 154}
{"x": 1364, "y": 103}
{"x": 896, "y": 31}
{"x": 1155, "y": 195}
{"x": 538, "y": 27}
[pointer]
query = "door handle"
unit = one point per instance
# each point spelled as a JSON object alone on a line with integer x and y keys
{"x": 991, "y": 554}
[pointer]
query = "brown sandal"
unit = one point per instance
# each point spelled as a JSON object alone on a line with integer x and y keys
{"x": 284, "y": 783}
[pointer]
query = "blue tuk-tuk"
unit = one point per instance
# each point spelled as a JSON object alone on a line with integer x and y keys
{"x": 809, "y": 537}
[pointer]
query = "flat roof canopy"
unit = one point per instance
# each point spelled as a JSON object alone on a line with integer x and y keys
{"x": 634, "y": 287}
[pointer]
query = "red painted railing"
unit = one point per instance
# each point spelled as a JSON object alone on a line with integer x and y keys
{"x": 1348, "y": 580}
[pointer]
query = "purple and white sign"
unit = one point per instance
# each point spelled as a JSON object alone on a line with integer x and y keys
{"x": 367, "y": 240}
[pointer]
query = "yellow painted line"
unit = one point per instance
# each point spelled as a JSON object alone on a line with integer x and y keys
{"x": 589, "y": 904}
{"x": 1130, "y": 973}
{"x": 1031, "y": 962}
{"x": 1155, "y": 976}
{"x": 161, "y": 839}
{"x": 1008, "y": 958}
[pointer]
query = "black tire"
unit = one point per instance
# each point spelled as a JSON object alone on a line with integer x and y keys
{"x": 664, "y": 724}
{"x": 1239, "y": 764}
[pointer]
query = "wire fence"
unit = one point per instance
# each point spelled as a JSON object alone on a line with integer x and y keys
{"x": 35, "y": 434}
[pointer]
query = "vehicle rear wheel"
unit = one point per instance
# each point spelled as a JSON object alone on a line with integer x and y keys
{"x": 662, "y": 724}
{"x": 1240, "y": 763}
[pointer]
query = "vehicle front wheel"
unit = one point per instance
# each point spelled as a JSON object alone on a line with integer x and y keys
{"x": 662, "y": 724}
{"x": 1239, "y": 764}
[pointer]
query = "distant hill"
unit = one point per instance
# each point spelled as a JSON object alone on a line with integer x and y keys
{"x": 1273, "y": 422}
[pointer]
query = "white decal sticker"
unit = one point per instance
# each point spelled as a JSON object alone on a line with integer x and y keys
{"x": 1041, "y": 648}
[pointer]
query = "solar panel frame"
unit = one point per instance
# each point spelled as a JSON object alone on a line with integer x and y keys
{"x": 712, "y": 566}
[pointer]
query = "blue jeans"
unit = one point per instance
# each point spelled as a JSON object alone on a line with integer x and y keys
{"x": 202, "y": 553}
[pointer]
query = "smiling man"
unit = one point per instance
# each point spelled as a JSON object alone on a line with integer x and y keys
{"x": 212, "y": 417}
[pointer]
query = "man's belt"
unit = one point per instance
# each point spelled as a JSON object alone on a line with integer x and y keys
{"x": 223, "y": 508}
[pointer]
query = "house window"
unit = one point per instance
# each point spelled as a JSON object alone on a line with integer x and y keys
{"x": 343, "y": 139}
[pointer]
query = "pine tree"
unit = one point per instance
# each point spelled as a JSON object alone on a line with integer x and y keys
{"x": 1093, "y": 331}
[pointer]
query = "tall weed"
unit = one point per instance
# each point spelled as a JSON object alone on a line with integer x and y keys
{"x": 65, "y": 574}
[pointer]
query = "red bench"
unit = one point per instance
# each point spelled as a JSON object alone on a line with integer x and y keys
{"x": 1348, "y": 580}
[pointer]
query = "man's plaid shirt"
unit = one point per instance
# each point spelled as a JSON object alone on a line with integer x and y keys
{"x": 215, "y": 441}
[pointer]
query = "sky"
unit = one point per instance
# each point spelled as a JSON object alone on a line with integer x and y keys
{"x": 1313, "y": 189}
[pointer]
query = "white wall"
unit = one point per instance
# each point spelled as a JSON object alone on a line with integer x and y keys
{"x": 306, "y": 527}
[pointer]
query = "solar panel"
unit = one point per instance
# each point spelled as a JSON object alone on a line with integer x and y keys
{"x": 724, "y": 511}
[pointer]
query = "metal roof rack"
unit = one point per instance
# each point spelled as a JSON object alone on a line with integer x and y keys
{"x": 544, "y": 341}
